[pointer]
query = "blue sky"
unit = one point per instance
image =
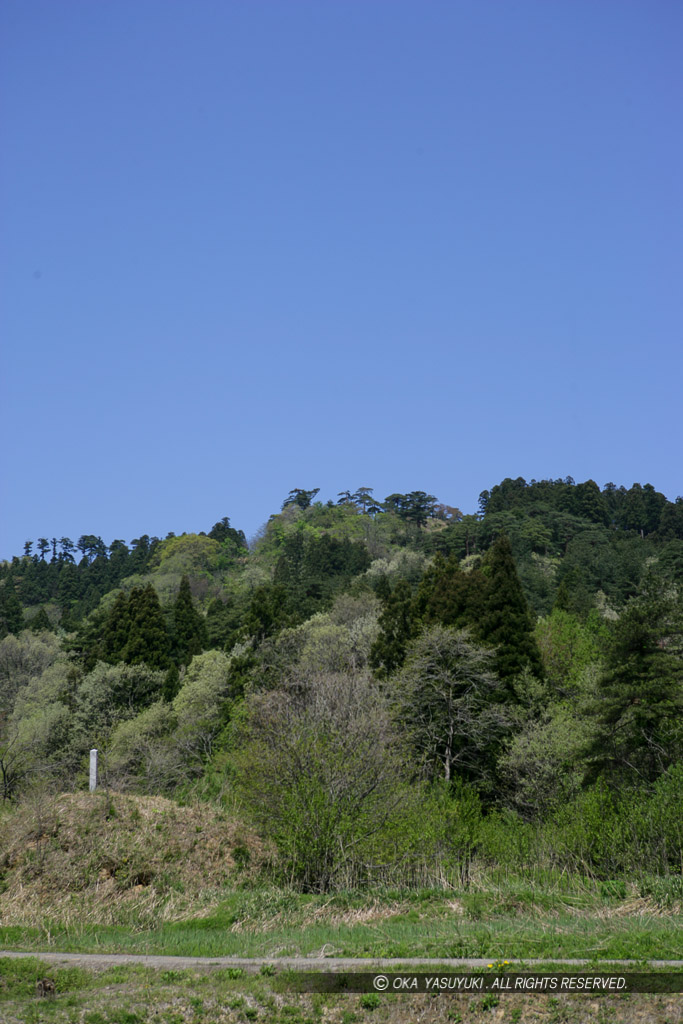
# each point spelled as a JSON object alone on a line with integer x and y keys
{"x": 251, "y": 246}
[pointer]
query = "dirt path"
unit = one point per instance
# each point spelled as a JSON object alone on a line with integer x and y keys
{"x": 100, "y": 961}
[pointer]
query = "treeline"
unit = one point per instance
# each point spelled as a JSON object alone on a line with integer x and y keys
{"x": 390, "y": 689}
{"x": 54, "y": 572}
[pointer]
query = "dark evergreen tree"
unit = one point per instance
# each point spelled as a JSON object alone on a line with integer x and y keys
{"x": 148, "y": 640}
{"x": 590, "y": 503}
{"x": 68, "y": 586}
{"x": 189, "y": 630}
{"x": 268, "y": 612}
{"x": 399, "y": 624}
{"x": 640, "y": 709}
{"x": 449, "y": 595}
{"x": 171, "y": 683}
{"x": 116, "y": 631}
{"x": 40, "y": 622}
{"x": 118, "y": 562}
{"x": 223, "y": 532}
{"x": 416, "y": 507}
{"x": 11, "y": 613}
{"x": 299, "y": 497}
{"x": 68, "y": 547}
{"x": 504, "y": 621}
{"x": 222, "y": 623}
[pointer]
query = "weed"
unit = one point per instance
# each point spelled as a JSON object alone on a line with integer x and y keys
{"x": 292, "y": 1014}
{"x": 370, "y": 1001}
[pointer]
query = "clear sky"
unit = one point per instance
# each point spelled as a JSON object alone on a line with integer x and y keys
{"x": 250, "y": 246}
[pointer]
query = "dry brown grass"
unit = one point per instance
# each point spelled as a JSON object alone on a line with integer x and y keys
{"x": 100, "y": 856}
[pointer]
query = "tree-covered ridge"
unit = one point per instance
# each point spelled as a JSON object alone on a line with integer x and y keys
{"x": 504, "y": 666}
{"x": 571, "y": 525}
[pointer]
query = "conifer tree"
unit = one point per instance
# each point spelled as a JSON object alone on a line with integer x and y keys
{"x": 148, "y": 640}
{"x": 116, "y": 630}
{"x": 504, "y": 621}
{"x": 11, "y": 613}
{"x": 640, "y": 705}
{"x": 398, "y": 624}
{"x": 40, "y": 621}
{"x": 190, "y": 635}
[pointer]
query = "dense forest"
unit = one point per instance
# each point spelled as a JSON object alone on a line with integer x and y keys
{"x": 386, "y": 689}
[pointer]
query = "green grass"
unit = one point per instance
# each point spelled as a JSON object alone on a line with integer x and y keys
{"x": 517, "y": 920}
{"x": 140, "y": 995}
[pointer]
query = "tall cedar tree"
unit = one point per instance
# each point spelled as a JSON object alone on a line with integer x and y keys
{"x": 190, "y": 636}
{"x": 640, "y": 709}
{"x": 398, "y": 625}
{"x": 504, "y": 621}
{"x": 116, "y": 630}
{"x": 40, "y": 622}
{"x": 148, "y": 640}
{"x": 450, "y": 596}
{"x": 11, "y": 613}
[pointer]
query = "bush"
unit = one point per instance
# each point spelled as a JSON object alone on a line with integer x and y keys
{"x": 317, "y": 765}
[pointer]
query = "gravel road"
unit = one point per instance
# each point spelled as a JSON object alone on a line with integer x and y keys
{"x": 100, "y": 961}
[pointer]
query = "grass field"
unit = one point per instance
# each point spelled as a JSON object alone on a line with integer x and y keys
{"x": 136, "y": 995}
{"x": 145, "y": 875}
{"x": 510, "y": 919}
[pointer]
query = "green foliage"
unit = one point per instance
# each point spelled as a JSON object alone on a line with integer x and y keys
{"x": 40, "y": 622}
{"x": 449, "y": 703}
{"x": 416, "y": 507}
{"x": 398, "y": 626}
{"x": 188, "y": 554}
{"x": 224, "y": 533}
{"x": 140, "y": 753}
{"x": 490, "y": 600}
{"x": 317, "y": 765}
{"x": 189, "y": 630}
{"x": 299, "y": 497}
{"x": 542, "y": 764}
{"x": 640, "y": 705}
{"x": 11, "y": 614}
{"x": 312, "y": 569}
{"x": 504, "y": 621}
{"x": 201, "y": 708}
{"x": 148, "y": 640}
{"x": 568, "y": 646}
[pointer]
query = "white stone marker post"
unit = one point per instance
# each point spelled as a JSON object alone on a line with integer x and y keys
{"x": 93, "y": 770}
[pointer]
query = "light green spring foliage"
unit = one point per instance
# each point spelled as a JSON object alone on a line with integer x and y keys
{"x": 543, "y": 763}
{"x": 339, "y": 640}
{"x": 450, "y": 704}
{"x": 568, "y": 646}
{"x": 114, "y": 693}
{"x": 22, "y": 658}
{"x": 203, "y": 686}
{"x": 139, "y": 754}
{"x": 318, "y": 766}
{"x": 201, "y": 708}
{"x": 167, "y": 744}
{"x": 404, "y": 565}
{"x": 186, "y": 554}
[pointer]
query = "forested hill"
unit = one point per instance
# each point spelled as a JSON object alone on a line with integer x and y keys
{"x": 531, "y": 653}
{"x": 588, "y": 545}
